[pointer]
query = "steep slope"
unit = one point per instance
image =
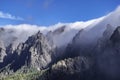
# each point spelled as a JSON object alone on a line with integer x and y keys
{"x": 76, "y": 47}
{"x": 64, "y": 34}
{"x": 115, "y": 38}
{"x": 2, "y": 51}
{"x": 36, "y": 52}
{"x": 86, "y": 41}
{"x": 108, "y": 57}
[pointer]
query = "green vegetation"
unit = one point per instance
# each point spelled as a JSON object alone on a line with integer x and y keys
{"x": 32, "y": 75}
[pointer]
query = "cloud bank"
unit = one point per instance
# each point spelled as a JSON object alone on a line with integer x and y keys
{"x": 91, "y": 27}
{"x": 9, "y": 16}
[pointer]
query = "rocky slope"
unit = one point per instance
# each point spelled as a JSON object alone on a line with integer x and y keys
{"x": 100, "y": 61}
{"x": 35, "y": 52}
{"x": 72, "y": 68}
{"x": 107, "y": 56}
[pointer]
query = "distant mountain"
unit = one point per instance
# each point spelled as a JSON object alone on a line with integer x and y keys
{"x": 107, "y": 56}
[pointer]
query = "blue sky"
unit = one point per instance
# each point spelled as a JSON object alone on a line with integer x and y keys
{"x": 49, "y": 12}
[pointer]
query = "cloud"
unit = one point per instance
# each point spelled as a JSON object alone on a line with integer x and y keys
{"x": 17, "y": 31}
{"x": 91, "y": 27}
{"x": 9, "y": 16}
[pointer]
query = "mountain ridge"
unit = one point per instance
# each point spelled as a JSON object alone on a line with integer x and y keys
{"x": 67, "y": 49}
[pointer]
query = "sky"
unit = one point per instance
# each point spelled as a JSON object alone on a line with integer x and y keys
{"x": 50, "y": 12}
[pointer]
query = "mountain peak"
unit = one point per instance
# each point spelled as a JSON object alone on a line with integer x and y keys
{"x": 116, "y": 35}
{"x": 38, "y": 34}
{"x": 36, "y": 52}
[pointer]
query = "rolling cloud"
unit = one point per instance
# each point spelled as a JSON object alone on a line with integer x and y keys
{"x": 91, "y": 27}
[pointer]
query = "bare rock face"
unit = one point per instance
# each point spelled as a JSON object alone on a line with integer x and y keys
{"x": 2, "y": 47}
{"x": 36, "y": 52}
{"x": 2, "y": 51}
{"x": 41, "y": 51}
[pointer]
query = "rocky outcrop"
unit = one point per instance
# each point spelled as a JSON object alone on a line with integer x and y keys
{"x": 72, "y": 65}
{"x": 40, "y": 50}
{"x": 71, "y": 68}
{"x": 35, "y": 52}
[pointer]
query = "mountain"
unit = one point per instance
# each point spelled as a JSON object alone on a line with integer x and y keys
{"x": 107, "y": 56}
{"x": 36, "y": 52}
{"x": 79, "y": 50}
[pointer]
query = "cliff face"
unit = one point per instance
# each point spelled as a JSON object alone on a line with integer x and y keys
{"x": 2, "y": 51}
{"x": 36, "y": 52}
{"x": 107, "y": 55}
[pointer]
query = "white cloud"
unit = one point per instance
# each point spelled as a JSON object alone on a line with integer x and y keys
{"x": 23, "y": 31}
{"x": 9, "y": 16}
{"x": 93, "y": 28}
